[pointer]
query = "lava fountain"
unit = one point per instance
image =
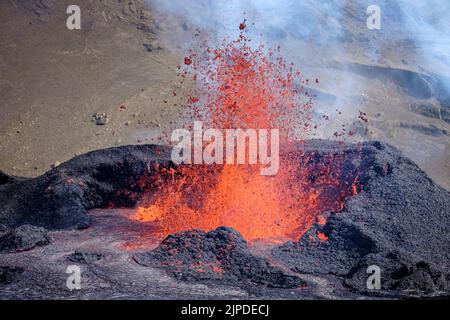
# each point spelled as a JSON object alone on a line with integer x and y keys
{"x": 244, "y": 87}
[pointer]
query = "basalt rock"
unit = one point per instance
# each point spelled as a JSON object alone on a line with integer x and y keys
{"x": 23, "y": 238}
{"x": 114, "y": 177}
{"x": 400, "y": 223}
{"x": 221, "y": 254}
{"x": 9, "y": 274}
{"x": 400, "y": 272}
{"x": 60, "y": 198}
{"x": 81, "y": 256}
{"x": 3, "y": 230}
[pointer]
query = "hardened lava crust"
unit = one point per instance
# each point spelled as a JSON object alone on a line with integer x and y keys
{"x": 399, "y": 223}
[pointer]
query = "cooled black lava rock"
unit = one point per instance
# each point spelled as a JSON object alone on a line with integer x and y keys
{"x": 23, "y": 238}
{"x": 81, "y": 256}
{"x": 400, "y": 272}
{"x": 3, "y": 229}
{"x": 400, "y": 222}
{"x": 221, "y": 254}
{"x": 60, "y": 198}
{"x": 9, "y": 274}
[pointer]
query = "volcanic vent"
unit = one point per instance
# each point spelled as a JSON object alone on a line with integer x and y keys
{"x": 332, "y": 209}
{"x": 260, "y": 207}
{"x": 388, "y": 224}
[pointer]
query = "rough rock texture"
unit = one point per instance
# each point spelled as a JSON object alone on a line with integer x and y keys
{"x": 400, "y": 272}
{"x": 9, "y": 274}
{"x": 117, "y": 177}
{"x": 401, "y": 223}
{"x": 221, "y": 254}
{"x": 60, "y": 198}
{"x": 84, "y": 257}
{"x": 3, "y": 229}
{"x": 23, "y": 238}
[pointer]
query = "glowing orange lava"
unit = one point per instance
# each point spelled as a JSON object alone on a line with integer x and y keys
{"x": 242, "y": 87}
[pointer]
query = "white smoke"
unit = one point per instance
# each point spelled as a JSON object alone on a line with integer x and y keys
{"x": 322, "y": 33}
{"x": 332, "y": 23}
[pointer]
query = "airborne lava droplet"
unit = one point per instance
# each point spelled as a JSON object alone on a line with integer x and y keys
{"x": 187, "y": 61}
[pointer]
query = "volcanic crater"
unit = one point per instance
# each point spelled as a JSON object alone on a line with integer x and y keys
{"x": 138, "y": 214}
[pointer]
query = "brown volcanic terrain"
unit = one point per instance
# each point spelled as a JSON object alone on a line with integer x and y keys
{"x": 53, "y": 80}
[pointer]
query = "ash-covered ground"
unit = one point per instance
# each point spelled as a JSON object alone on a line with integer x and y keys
{"x": 72, "y": 216}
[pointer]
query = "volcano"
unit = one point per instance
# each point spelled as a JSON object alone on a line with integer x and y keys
{"x": 336, "y": 219}
{"x": 394, "y": 217}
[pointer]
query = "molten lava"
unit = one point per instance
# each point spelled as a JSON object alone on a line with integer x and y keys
{"x": 243, "y": 87}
